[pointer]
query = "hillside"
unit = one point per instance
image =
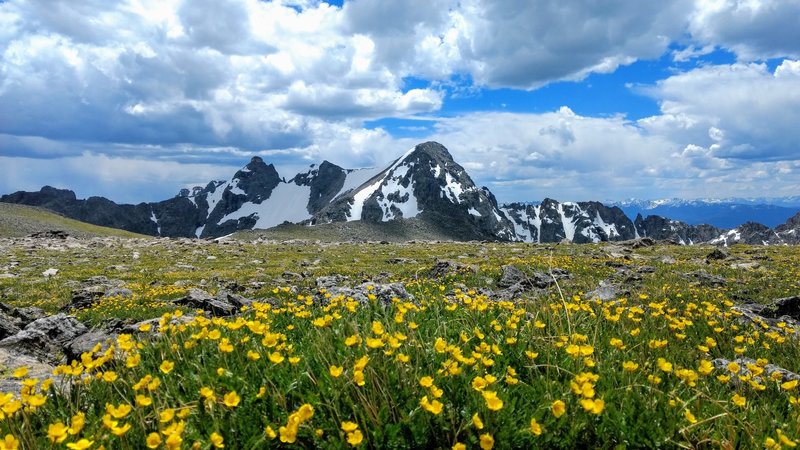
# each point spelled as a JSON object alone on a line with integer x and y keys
{"x": 21, "y": 220}
{"x": 355, "y": 231}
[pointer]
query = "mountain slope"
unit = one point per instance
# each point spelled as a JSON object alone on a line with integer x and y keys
{"x": 23, "y": 220}
{"x": 424, "y": 184}
{"x": 551, "y": 221}
{"x": 427, "y": 183}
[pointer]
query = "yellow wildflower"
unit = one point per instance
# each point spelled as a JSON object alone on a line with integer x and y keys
{"x": 216, "y": 440}
{"x": 493, "y": 402}
{"x": 166, "y": 366}
{"x": 231, "y": 399}
{"x": 558, "y": 408}
{"x": 426, "y": 381}
{"x": 153, "y": 440}
{"x": 57, "y": 432}
{"x": 486, "y": 441}
{"x": 477, "y": 422}
{"x": 83, "y": 444}
{"x": 536, "y": 429}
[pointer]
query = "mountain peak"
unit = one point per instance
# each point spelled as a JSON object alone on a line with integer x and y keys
{"x": 433, "y": 149}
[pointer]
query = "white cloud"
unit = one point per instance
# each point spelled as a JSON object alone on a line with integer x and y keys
{"x": 190, "y": 83}
{"x": 738, "y": 112}
{"x": 125, "y": 180}
{"x": 754, "y": 29}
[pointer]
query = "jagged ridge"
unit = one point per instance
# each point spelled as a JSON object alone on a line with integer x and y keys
{"x": 425, "y": 184}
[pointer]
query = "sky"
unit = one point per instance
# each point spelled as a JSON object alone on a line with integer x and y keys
{"x": 582, "y": 100}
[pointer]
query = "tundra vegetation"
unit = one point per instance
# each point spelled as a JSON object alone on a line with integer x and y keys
{"x": 475, "y": 355}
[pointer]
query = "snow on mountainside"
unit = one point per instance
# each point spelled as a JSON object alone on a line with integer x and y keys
{"x": 424, "y": 184}
{"x": 551, "y": 221}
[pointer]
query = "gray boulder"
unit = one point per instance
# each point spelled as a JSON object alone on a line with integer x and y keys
{"x": 199, "y": 299}
{"x": 46, "y": 338}
{"x": 444, "y": 267}
{"x": 86, "y": 342}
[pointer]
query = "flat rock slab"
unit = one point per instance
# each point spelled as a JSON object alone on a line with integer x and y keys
{"x": 11, "y": 360}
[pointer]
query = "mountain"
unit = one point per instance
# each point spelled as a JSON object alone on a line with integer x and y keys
{"x": 23, "y": 220}
{"x": 582, "y": 222}
{"x": 425, "y": 183}
{"x": 723, "y": 213}
{"x": 425, "y": 187}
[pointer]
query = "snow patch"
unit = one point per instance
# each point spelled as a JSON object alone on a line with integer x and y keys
{"x": 287, "y": 202}
{"x": 408, "y": 208}
{"x": 155, "y": 220}
{"x": 452, "y": 188}
{"x": 199, "y": 231}
{"x": 609, "y": 229}
{"x": 235, "y": 189}
{"x": 362, "y": 195}
{"x": 474, "y": 212}
{"x": 568, "y": 224}
{"x": 357, "y": 177}
{"x": 214, "y": 197}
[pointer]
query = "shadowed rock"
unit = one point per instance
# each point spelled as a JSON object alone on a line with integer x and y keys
{"x": 46, "y": 338}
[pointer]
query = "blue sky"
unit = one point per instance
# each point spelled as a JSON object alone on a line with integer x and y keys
{"x": 135, "y": 99}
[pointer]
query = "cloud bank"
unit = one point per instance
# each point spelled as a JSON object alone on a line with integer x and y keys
{"x": 135, "y": 99}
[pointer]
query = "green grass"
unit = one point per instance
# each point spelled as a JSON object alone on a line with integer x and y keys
{"x": 21, "y": 220}
{"x": 536, "y": 347}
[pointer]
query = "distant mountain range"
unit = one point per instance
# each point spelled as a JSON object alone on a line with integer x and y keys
{"x": 425, "y": 184}
{"x": 723, "y": 213}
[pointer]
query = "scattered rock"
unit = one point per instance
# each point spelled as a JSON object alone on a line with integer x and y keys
{"x": 752, "y": 265}
{"x": 444, "y": 267}
{"x": 511, "y": 276}
{"x": 668, "y": 260}
{"x": 639, "y": 243}
{"x": 787, "y": 306}
{"x": 769, "y": 369}
{"x": 330, "y": 281}
{"x": 234, "y": 299}
{"x": 12, "y": 360}
{"x": 287, "y": 275}
{"x": 50, "y": 273}
{"x": 86, "y": 342}
{"x": 200, "y": 299}
{"x": 706, "y": 279}
{"x": 46, "y": 338}
{"x": 384, "y": 293}
{"x": 646, "y": 269}
{"x": 717, "y": 254}
{"x": 607, "y": 292}
{"x": 135, "y": 328}
{"x": 95, "y": 289}
{"x": 50, "y": 234}
{"x": 8, "y": 326}
{"x": 401, "y": 261}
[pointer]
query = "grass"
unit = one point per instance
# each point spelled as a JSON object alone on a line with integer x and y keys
{"x": 22, "y": 220}
{"x": 452, "y": 367}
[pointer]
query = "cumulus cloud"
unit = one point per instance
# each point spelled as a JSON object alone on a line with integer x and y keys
{"x": 738, "y": 112}
{"x": 182, "y": 92}
{"x": 753, "y": 29}
{"x": 125, "y": 180}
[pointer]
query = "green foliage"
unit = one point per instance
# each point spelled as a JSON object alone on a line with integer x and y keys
{"x": 540, "y": 348}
